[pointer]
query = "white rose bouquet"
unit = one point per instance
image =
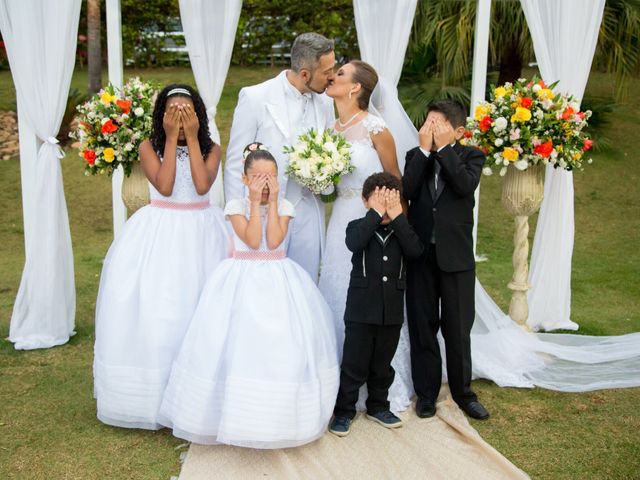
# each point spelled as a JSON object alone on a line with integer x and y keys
{"x": 318, "y": 161}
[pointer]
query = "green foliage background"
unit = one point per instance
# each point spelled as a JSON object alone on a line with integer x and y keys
{"x": 263, "y": 24}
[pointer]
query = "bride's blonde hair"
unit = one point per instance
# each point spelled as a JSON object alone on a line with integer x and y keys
{"x": 366, "y": 76}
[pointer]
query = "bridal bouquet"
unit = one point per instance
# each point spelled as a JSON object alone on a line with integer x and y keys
{"x": 527, "y": 123}
{"x": 112, "y": 124}
{"x": 318, "y": 161}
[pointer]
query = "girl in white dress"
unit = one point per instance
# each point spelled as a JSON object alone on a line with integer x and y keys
{"x": 157, "y": 266}
{"x": 259, "y": 365}
{"x": 373, "y": 150}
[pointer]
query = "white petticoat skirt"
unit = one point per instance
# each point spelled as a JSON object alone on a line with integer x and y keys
{"x": 259, "y": 365}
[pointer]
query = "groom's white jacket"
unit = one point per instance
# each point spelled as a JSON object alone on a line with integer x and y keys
{"x": 261, "y": 116}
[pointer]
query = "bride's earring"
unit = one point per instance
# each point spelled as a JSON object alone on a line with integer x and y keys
{"x": 350, "y": 94}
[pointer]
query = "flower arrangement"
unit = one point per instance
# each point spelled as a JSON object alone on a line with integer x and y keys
{"x": 112, "y": 124}
{"x": 527, "y": 123}
{"x": 318, "y": 161}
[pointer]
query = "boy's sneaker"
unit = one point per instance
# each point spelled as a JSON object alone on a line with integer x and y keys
{"x": 340, "y": 426}
{"x": 386, "y": 419}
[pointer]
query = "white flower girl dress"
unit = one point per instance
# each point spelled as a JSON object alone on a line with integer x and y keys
{"x": 258, "y": 366}
{"x": 150, "y": 286}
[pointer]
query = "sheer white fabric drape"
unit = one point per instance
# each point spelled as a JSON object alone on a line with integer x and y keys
{"x": 502, "y": 351}
{"x": 383, "y": 29}
{"x": 40, "y": 37}
{"x": 564, "y": 36}
{"x": 210, "y": 29}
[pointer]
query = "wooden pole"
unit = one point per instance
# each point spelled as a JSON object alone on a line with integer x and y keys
{"x": 94, "y": 45}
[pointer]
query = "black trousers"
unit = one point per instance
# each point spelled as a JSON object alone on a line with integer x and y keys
{"x": 367, "y": 354}
{"x": 428, "y": 287}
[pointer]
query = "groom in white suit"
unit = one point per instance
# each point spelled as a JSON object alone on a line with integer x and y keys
{"x": 275, "y": 112}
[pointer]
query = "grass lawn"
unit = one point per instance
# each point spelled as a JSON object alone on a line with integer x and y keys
{"x": 48, "y": 427}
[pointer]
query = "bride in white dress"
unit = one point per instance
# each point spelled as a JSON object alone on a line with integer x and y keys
{"x": 373, "y": 150}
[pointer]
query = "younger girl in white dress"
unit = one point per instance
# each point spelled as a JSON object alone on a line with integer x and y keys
{"x": 259, "y": 365}
{"x": 157, "y": 266}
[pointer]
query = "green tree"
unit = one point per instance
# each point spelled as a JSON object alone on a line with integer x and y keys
{"x": 446, "y": 27}
{"x": 94, "y": 50}
{"x": 264, "y": 24}
{"x": 618, "y": 49}
{"x": 138, "y": 20}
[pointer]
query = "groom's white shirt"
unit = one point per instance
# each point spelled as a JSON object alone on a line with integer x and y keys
{"x": 275, "y": 113}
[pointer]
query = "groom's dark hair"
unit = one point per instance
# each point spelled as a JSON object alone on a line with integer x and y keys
{"x": 307, "y": 49}
{"x": 382, "y": 179}
{"x": 453, "y": 110}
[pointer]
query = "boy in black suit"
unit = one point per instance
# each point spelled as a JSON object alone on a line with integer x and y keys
{"x": 439, "y": 181}
{"x": 375, "y": 302}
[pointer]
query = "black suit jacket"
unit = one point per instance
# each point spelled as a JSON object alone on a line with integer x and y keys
{"x": 450, "y": 209}
{"x": 378, "y": 273}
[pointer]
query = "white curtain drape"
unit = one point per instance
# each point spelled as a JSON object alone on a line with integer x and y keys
{"x": 40, "y": 38}
{"x": 383, "y": 29}
{"x": 210, "y": 29}
{"x": 564, "y": 36}
{"x": 502, "y": 351}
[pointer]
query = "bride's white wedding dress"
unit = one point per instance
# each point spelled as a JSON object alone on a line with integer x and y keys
{"x": 336, "y": 261}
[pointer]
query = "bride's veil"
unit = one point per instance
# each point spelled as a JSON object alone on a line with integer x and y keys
{"x": 501, "y": 350}
{"x": 385, "y": 104}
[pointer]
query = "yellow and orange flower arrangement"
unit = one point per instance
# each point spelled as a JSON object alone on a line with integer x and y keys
{"x": 527, "y": 123}
{"x": 112, "y": 124}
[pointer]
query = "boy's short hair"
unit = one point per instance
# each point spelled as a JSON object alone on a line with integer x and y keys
{"x": 382, "y": 179}
{"x": 453, "y": 110}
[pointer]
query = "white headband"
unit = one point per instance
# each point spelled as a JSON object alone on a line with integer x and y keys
{"x": 184, "y": 91}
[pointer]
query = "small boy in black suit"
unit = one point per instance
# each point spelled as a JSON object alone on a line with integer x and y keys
{"x": 380, "y": 242}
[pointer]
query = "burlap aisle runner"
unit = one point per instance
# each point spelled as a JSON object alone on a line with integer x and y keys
{"x": 443, "y": 447}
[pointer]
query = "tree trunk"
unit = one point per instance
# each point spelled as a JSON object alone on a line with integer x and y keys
{"x": 510, "y": 64}
{"x": 94, "y": 50}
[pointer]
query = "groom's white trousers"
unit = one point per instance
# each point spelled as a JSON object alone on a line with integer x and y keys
{"x": 307, "y": 229}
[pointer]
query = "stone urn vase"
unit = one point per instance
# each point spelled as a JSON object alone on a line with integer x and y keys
{"x": 135, "y": 189}
{"x": 522, "y": 194}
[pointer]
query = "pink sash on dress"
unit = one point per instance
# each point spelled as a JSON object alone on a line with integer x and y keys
{"x": 179, "y": 205}
{"x": 259, "y": 254}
